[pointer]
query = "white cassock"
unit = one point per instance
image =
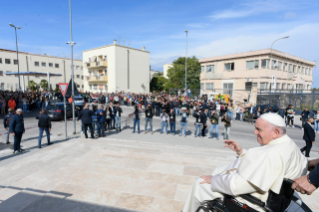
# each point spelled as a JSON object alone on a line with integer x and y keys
{"x": 254, "y": 172}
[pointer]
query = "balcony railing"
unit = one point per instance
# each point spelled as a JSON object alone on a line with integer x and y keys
{"x": 97, "y": 79}
{"x": 98, "y": 64}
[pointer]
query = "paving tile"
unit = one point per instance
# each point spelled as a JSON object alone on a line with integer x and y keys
{"x": 169, "y": 168}
{"x": 123, "y": 184}
{"x": 156, "y": 189}
{"x": 6, "y": 193}
{"x": 154, "y": 176}
{"x": 197, "y": 171}
{"x": 134, "y": 201}
{"x": 182, "y": 192}
{"x": 166, "y": 205}
{"x": 178, "y": 179}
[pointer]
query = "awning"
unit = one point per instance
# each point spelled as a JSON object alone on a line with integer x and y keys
{"x": 28, "y": 73}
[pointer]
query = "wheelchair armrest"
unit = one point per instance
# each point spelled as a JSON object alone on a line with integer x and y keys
{"x": 253, "y": 200}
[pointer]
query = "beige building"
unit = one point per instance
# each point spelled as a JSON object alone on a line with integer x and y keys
{"x": 115, "y": 67}
{"x": 165, "y": 69}
{"x": 37, "y": 63}
{"x": 242, "y": 71}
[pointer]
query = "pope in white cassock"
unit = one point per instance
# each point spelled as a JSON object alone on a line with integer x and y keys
{"x": 255, "y": 171}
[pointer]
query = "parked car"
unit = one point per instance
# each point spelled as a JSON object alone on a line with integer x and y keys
{"x": 56, "y": 111}
{"x": 78, "y": 102}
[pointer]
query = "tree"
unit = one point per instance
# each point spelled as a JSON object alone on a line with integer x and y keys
{"x": 32, "y": 85}
{"x": 44, "y": 84}
{"x": 176, "y": 74}
{"x": 158, "y": 83}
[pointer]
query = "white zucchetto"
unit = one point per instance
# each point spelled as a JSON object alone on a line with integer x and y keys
{"x": 274, "y": 119}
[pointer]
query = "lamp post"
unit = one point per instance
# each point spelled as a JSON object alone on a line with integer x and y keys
{"x": 271, "y": 51}
{"x": 72, "y": 44}
{"x": 186, "y": 31}
{"x": 15, "y": 28}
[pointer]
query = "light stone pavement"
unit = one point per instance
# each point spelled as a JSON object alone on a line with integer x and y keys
{"x": 121, "y": 172}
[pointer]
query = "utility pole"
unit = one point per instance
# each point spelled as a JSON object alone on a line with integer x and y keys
{"x": 186, "y": 61}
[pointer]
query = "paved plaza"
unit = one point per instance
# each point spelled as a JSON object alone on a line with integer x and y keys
{"x": 118, "y": 173}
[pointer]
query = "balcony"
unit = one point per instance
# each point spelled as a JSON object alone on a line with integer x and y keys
{"x": 99, "y": 79}
{"x": 98, "y": 64}
{"x": 210, "y": 75}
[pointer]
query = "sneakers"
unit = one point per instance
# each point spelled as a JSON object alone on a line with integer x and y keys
{"x": 301, "y": 129}
{"x": 81, "y": 132}
{"x": 16, "y": 152}
{"x": 8, "y": 142}
{"x": 293, "y": 126}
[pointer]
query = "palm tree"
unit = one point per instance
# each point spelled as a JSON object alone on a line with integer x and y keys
{"x": 44, "y": 84}
{"x": 32, "y": 85}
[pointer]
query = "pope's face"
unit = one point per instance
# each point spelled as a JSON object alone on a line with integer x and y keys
{"x": 263, "y": 130}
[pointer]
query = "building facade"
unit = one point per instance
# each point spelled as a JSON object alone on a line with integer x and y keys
{"x": 264, "y": 69}
{"x": 37, "y": 63}
{"x": 165, "y": 69}
{"x": 115, "y": 67}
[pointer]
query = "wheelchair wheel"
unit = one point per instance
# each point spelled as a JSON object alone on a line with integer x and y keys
{"x": 297, "y": 205}
{"x": 212, "y": 206}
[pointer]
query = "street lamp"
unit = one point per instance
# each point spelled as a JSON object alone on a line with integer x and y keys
{"x": 186, "y": 31}
{"x": 72, "y": 44}
{"x": 15, "y": 28}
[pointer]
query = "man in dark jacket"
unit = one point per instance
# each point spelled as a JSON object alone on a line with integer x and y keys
{"x": 102, "y": 121}
{"x": 282, "y": 111}
{"x": 44, "y": 124}
{"x": 172, "y": 121}
{"x": 86, "y": 117}
{"x": 6, "y": 122}
{"x": 309, "y": 137}
{"x": 214, "y": 118}
{"x": 205, "y": 117}
{"x": 304, "y": 117}
{"x": 199, "y": 123}
{"x": 148, "y": 118}
{"x": 112, "y": 114}
{"x": 17, "y": 129}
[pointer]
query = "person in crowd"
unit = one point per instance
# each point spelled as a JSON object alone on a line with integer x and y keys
{"x": 290, "y": 116}
{"x": 307, "y": 184}
{"x": 108, "y": 118}
{"x": 86, "y": 117}
{"x": 136, "y": 120}
{"x": 112, "y": 114}
{"x": 172, "y": 121}
{"x": 230, "y": 109}
{"x": 238, "y": 109}
{"x": 149, "y": 118}
{"x": 3, "y": 103}
{"x": 118, "y": 112}
{"x": 304, "y": 117}
{"x": 102, "y": 121}
{"x": 316, "y": 120}
{"x": 309, "y": 137}
{"x": 259, "y": 112}
{"x": 255, "y": 171}
{"x": 214, "y": 121}
{"x": 251, "y": 113}
{"x": 95, "y": 119}
{"x": 44, "y": 124}
{"x": 164, "y": 120}
{"x": 177, "y": 106}
{"x": 16, "y": 127}
{"x": 199, "y": 123}
{"x": 12, "y": 103}
{"x": 183, "y": 114}
{"x": 205, "y": 117}
{"x": 227, "y": 122}
{"x": 281, "y": 111}
{"x": 6, "y": 124}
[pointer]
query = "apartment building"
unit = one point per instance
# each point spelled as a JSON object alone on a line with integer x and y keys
{"x": 264, "y": 69}
{"x": 116, "y": 67}
{"x": 37, "y": 63}
{"x": 165, "y": 69}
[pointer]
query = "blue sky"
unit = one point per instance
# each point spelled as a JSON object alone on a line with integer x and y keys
{"x": 215, "y": 27}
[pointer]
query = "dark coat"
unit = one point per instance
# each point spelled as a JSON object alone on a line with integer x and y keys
{"x": 44, "y": 121}
{"x": 309, "y": 133}
{"x": 314, "y": 175}
{"x": 6, "y": 118}
{"x": 86, "y": 116}
{"x": 16, "y": 124}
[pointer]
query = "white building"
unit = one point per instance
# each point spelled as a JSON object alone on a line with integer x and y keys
{"x": 37, "y": 63}
{"x": 152, "y": 72}
{"x": 165, "y": 69}
{"x": 115, "y": 67}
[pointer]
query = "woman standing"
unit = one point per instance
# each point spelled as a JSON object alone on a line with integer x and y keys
{"x": 108, "y": 118}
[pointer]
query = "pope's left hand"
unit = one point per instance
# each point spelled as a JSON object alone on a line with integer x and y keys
{"x": 207, "y": 179}
{"x": 302, "y": 185}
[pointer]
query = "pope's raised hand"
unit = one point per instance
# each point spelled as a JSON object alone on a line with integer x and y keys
{"x": 234, "y": 146}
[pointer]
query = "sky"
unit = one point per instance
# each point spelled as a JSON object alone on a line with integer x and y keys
{"x": 215, "y": 27}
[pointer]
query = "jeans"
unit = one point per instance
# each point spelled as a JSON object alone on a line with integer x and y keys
{"x": 183, "y": 126}
{"x": 164, "y": 124}
{"x": 212, "y": 127}
{"x": 41, "y": 129}
{"x": 226, "y": 132}
{"x": 102, "y": 128}
{"x": 198, "y": 126}
{"x": 172, "y": 127}
{"x": 17, "y": 141}
{"x": 230, "y": 114}
{"x": 112, "y": 122}
{"x": 136, "y": 122}
{"x": 118, "y": 122}
{"x": 86, "y": 129}
{"x": 177, "y": 111}
{"x": 148, "y": 120}
{"x": 316, "y": 126}
{"x": 24, "y": 108}
{"x": 93, "y": 124}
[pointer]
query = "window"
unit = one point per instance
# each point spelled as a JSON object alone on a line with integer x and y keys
{"x": 0, "y": 60}
{"x": 248, "y": 86}
{"x": 15, "y": 62}
{"x": 43, "y": 64}
{"x": 288, "y": 86}
{"x": 299, "y": 70}
{"x": 77, "y": 76}
{"x": 285, "y": 67}
{"x": 210, "y": 68}
{"x": 279, "y": 66}
{"x": 82, "y": 77}
{"x": 50, "y": 64}
{"x": 306, "y": 71}
{"x": 229, "y": 66}
{"x": 57, "y": 65}
{"x": 1, "y": 73}
{"x": 289, "y": 68}
{"x": 202, "y": 69}
{"x": 294, "y": 69}
{"x": 77, "y": 86}
{"x": 302, "y": 70}
{"x": 273, "y": 64}
{"x": 277, "y": 85}
{"x": 265, "y": 63}
{"x": 36, "y": 63}
{"x": 283, "y": 86}
{"x": 228, "y": 88}
{"x": 94, "y": 86}
{"x": 264, "y": 85}
{"x": 7, "y": 61}
{"x": 254, "y": 64}
{"x": 82, "y": 86}
{"x": 209, "y": 86}
{"x": 77, "y": 67}
{"x": 202, "y": 86}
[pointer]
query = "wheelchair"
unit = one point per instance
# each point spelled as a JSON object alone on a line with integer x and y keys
{"x": 285, "y": 201}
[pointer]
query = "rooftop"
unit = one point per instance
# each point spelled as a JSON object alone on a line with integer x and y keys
{"x": 256, "y": 53}
{"x": 128, "y": 47}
